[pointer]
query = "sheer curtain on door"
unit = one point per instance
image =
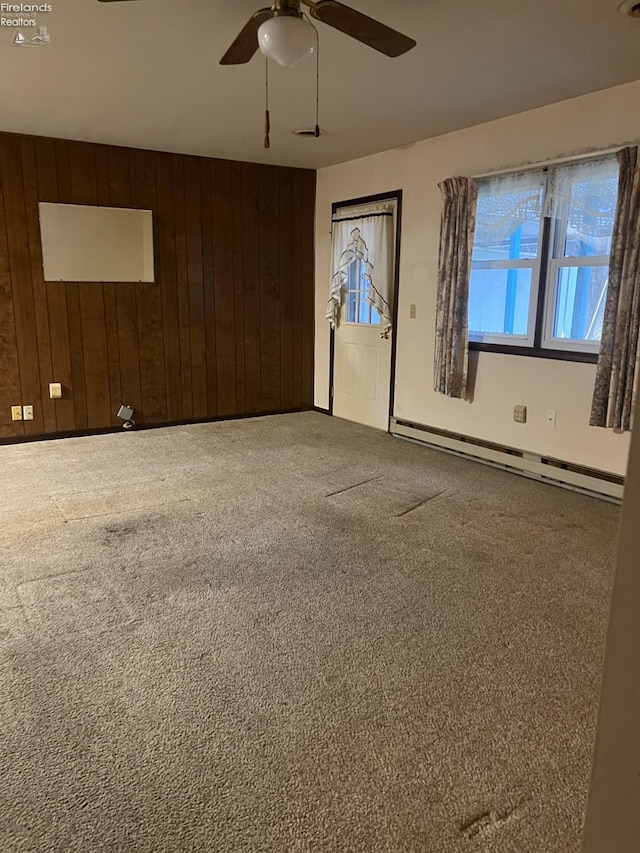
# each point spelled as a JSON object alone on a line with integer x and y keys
{"x": 365, "y": 233}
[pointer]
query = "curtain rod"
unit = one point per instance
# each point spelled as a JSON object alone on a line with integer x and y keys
{"x": 386, "y": 204}
{"x": 568, "y": 158}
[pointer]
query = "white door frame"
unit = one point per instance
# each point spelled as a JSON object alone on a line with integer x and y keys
{"x": 356, "y": 202}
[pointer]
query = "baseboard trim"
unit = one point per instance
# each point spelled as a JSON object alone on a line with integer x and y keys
{"x": 590, "y": 481}
{"x": 110, "y": 430}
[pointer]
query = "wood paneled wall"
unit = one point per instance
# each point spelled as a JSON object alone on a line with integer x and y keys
{"x": 227, "y": 327}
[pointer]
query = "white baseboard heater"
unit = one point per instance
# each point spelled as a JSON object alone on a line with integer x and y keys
{"x": 553, "y": 471}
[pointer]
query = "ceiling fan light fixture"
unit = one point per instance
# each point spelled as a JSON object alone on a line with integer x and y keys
{"x": 286, "y": 39}
{"x": 631, "y": 8}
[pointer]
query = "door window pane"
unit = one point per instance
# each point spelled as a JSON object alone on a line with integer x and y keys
{"x": 358, "y": 307}
{"x": 352, "y": 306}
{"x": 365, "y": 308}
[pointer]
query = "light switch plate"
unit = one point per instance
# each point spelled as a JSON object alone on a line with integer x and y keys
{"x": 55, "y": 390}
{"x": 551, "y": 419}
{"x": 412, "y": 312}
{"x": 16, "y": 413}
{"x": 27, "y": 413}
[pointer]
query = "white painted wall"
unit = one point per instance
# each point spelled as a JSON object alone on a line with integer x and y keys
{"x": 613, "y": 819}
{"x": 598, "y": 120}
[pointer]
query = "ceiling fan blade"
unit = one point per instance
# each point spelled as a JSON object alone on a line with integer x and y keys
{"x": 246, "y": 42}
{"x": 361, "y": 27}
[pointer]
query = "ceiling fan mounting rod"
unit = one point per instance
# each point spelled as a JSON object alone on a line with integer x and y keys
{"x": 291, "y": 8}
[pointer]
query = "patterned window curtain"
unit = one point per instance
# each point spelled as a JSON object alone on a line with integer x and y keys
{"x": 617, "y": 371}
{"x": 456, "y": 245}
{"x": 365, "y": 233}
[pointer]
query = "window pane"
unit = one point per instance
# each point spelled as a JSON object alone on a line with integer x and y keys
{"x": 586, "y": 245}
{"x": 508, "y": 218}
{"x": 499, "y": 301}
{"x": 590, "y": 217}
{"x": 358, "y": 308}
{"x": 521, "y": 243}
{"x": 352, "y": 306}
{"x": 363, "y": 316}
{"x": 353, "y": 275}
{"x": 580, "y": 299}
{"x": 584, "y": 197}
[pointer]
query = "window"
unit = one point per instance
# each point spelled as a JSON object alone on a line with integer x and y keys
{"x": 540, "y": 259}
{"x": 358, "y": 308}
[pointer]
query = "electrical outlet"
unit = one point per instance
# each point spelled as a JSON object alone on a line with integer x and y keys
{"x": 55, "y": 390}
{"x": 27, "y": 413}
{"x": 551, "y": 419}
{"x": 412, "y": 312}
{"x": 16, "y": 413}
{"x": 520, "y": 414}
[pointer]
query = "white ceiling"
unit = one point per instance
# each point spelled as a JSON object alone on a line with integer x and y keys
{"x": 146, "y": 74}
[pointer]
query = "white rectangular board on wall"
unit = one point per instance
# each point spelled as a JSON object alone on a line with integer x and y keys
{"x": 85, "y": 243}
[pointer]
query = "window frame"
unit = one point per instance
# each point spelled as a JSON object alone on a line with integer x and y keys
{"x": 555, "y": 263}
{"x": 544, "y": 277}
{"x": 498, "y": 338}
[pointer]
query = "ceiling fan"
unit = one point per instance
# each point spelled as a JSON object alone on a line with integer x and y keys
{"x": 283, "y": 34}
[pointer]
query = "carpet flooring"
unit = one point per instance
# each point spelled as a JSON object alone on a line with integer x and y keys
{"x": 293, "y": 634}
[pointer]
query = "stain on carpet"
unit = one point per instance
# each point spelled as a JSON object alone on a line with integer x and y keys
{"x": 121, "y": 529}
{"x": 75, "y": 603}
{"x": 115, "y": 500}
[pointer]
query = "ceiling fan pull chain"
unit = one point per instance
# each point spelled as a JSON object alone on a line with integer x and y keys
{"x": 267, "y": 117}
{"x": 316, "y": 131}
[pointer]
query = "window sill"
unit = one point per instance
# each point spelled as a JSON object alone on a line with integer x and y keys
{"x": 533, "y": 352}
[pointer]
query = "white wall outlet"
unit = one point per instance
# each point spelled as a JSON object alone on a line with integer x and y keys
{"x": 55, "y": 390}
{"x": 16, "y": 413}
{"x": 520, "y": 414}
{"x": 412, "y": 312}
{"x": 27, "y": 413}
{"x": 551, "y": 419}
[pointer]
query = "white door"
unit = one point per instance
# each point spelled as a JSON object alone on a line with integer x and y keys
{"x": 362, "y": 358}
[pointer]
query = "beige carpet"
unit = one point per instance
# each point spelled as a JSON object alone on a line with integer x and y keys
{"x": 293, "y": 634}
